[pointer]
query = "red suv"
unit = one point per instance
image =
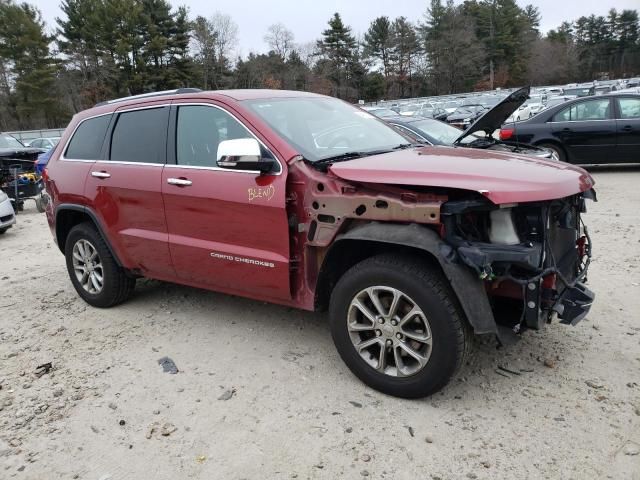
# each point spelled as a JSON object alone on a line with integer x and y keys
{"x": 307, "y": 201}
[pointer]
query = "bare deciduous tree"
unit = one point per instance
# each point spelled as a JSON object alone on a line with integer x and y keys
{"x": 280, "y": 40}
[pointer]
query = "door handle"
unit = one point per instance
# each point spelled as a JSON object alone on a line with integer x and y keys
{"x": 180, "y": 182}
{"x": 627, "y": 128}
{"x": 566, "y": 129}
{"x": 100, "y": 174}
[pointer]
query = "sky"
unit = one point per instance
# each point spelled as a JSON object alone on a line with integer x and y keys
{"x": 308, "y": 18}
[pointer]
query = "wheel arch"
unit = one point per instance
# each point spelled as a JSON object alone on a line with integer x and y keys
{"x": 373, "y": 238}
{"x": 70, "y": 215}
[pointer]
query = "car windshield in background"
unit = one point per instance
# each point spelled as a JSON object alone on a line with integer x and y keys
{"x": 441, "y": 133}
{"x": 324, "y": 127}
{"x": 7, "y": 141}
{"x": 469, "y": 109}
{"x": 580, "y": 92}
{"x": 382, "y": 112}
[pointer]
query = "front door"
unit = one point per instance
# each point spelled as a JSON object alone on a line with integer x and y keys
{"x": 628, "y": 127}
{"x": 587, "y": 130}
{"x": 227, "y": 229}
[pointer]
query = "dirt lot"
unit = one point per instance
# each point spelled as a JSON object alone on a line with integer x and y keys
{"x": 261, "y": 392}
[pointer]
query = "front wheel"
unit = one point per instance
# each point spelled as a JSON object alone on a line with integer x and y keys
{"x": 397, "y": 326}
{"x": 93, "y": 271}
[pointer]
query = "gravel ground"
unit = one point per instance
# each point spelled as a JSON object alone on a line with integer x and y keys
{"x": 261, "y": 392}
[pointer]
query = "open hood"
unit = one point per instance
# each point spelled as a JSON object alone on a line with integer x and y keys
{"x": 494, "y": 118}
{"x": 501, "y": 177}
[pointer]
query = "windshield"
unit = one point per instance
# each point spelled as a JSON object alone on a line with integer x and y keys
{"x": 320, "y": 128}
{"x": 383, "y": 112}
{"x": 409, "y": 108}
{"x": 7, "y": 141}
{"x": 440, "y": 133}
{"x": 468, "y": 109}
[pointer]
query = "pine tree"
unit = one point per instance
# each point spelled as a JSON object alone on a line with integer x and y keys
{"x": 29, "y": 71}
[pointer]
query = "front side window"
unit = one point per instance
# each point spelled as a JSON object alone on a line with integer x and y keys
{"x": 629, "y": 108}
{"x": 86, "y": 143}
{"x": 321, "y": 128}
{"x": 200, "y": 129}
{"x": 585, "y": 111}
{"x": 139, "y": 136}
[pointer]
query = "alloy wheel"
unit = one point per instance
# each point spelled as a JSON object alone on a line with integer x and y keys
{"x": 389, "y": 331}
{"x": 87, "y": 267}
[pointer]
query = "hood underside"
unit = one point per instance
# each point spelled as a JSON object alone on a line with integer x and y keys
{"x": 501, "y": 177}
{"x": 494, "y": 118}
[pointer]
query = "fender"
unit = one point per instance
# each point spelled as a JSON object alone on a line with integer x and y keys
{"x": 91, "y": 214}
{"x": 468, "y": 288}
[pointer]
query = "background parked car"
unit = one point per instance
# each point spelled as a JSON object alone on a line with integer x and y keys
{"x": 44, "y": 143}
{"x": 588, "y": 131}
{"x": 464, "y": 116}
{"x": 7, "y": 215}
{"x": 380, "y": 112}
{"x": 433, "y": 132}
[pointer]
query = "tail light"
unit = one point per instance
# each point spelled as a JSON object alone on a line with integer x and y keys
{"x": 549, "y": 281}
{"x": 506, "y": 133}
{"x": 581, "y": 243}
{"x": 45, "y": 175}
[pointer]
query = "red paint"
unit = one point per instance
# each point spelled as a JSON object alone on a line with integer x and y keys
{"x": 501, "y": 177}
{"x": 230, "y": 231}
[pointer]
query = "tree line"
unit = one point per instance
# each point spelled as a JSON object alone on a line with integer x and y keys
{"x": 102, "y": 49}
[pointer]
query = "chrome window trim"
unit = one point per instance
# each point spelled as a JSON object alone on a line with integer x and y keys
{"x": 118, "y": 162}
{"x": 220, "y": 169}
{"x": 582, "y": 121}
{"x": 66, "y": 145}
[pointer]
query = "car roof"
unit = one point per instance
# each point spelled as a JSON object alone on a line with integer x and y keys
{"x": 109, "y": 106}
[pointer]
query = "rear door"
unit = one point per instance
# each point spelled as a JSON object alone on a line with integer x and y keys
{"x": 124, "y": 188}
{"x": 587, "y": 130}
{"x": 628, "y": 128}
{"x": 227, "y": 229}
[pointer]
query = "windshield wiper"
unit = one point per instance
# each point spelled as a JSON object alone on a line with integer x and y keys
{"x": 343, "y": 157}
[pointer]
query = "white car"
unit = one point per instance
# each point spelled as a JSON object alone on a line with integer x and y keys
{"x": 44, "y": 143}
{"x": 7, "y": 215}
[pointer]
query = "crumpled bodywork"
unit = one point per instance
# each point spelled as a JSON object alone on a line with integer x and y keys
{"x": 390, "y": 200}
{"x": 502, "y": 178}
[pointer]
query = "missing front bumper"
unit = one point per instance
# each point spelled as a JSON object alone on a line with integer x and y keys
{"x": 574, "y": 303}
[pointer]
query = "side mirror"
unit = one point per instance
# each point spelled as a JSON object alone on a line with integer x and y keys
{"x": 242, "y": 154}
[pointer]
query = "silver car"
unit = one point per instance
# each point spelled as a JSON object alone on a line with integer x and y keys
{"x": 7, "y": 215}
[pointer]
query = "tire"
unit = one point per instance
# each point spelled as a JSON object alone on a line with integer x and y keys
{"x": 562, "y": 156}
{"x": 426, "y": 289}
{"x": 3, "y": 230}
{"x": 40, "y": 204}
{"x": 116, "y": 286}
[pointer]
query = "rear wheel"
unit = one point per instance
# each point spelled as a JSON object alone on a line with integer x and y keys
{"x": 93, "y": 271}
{"x": 557, "y": 149}
{"x": 40, "y": 205}
{"x": 396, "y": 325}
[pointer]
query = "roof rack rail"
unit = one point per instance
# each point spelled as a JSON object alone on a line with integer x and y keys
{"x": 177, "y": 91}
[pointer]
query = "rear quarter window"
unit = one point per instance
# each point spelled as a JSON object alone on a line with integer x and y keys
{"x": 87, "y": 140}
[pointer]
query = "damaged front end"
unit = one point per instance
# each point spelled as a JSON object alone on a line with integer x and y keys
{"x": 533, "y": 257}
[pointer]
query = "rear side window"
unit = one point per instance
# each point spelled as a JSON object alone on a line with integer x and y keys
{"x": 86, "y": 142}
{"x": 139, "y": 136}
{"x": 629, "y": 108}
{"x": 585, "y": 111}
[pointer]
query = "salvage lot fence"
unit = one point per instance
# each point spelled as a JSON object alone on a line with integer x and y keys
{"x": 25, "y": 136}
